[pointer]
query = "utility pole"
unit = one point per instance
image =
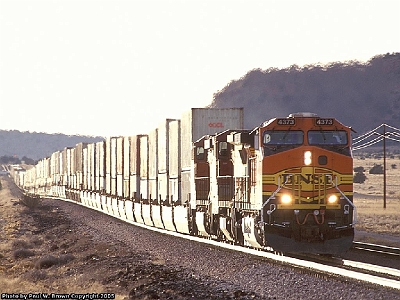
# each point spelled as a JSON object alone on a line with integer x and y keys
{"x": 384, "y": 166}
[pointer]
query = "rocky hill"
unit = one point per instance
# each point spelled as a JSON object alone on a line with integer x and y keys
{"x": 361, "y": 95}
{"x": 37, "y": 145}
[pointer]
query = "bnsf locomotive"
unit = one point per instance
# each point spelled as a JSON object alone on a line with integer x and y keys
{"x": 285, "y": 185}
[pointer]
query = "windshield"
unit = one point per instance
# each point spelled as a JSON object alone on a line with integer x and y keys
{"x": 283, "y": 137}
{"x": 327, "y": 137}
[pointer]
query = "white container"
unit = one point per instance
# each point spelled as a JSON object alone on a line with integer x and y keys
{"x": 71, "y": 167}
{"x": 198, "y": 122}
{"x": 195, "y": 124}
{"x": 120, "y": 166}
{"x": 134, "y": 168}
{"x": 55, "y": 166}
{"x": 126, "y": 175}
{"x": 163, "y": 154}
{"x": 113, "y": 166}
{"x": 86, "y": 163}
{"x": 107, "y": 155}
{"x": 113, "y": 157}
{"x": 144, "y": 167}
{"x": 174, "y": 163}
{"x": 120, "y": 155}
{"x": 100, "y": 170}
{"x": 90, "y": 166}
{"x": 120, "y": 185}
{"x": 78, "y": 157}
{"x": 63, "y": 166}
{"x": 153, "y": 167}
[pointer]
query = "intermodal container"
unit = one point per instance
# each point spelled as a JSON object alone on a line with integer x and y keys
{"x": 196, "y": 123}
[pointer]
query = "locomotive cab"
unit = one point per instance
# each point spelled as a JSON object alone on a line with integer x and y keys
{"x": 307, "y": 184}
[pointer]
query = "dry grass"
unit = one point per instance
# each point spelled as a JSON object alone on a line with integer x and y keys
{"x": 368, "y": 197}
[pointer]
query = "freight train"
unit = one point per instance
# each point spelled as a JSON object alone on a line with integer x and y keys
{"x": 285, "y": 185}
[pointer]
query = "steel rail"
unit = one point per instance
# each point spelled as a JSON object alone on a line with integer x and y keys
{"x": 311, "y": 266}
{"x": 376, "y": 248}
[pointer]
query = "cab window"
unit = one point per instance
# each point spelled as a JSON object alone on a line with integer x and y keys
{"x": 283, "y": 137}
{"x": 327, "y": 137}
{"x": 223, "y": 148}
{"x": 199, "y": 153}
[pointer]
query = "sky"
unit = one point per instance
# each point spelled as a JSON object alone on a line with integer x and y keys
{"x": 112, "y": 68}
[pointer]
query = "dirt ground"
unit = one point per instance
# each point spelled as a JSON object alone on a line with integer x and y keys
{"x": 41, "y": 252}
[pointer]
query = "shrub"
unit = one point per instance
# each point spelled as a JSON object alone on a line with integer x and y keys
{"x": 359, "y": 169}
{"x": 16, "y": 244}
{"x": 46, "y": 262}
{"x": 23, "y": 253}
{"x": 359, "y": 177}
{"x": 376, "y": 169}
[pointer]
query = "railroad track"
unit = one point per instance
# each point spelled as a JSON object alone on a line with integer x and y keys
{"x": 379, "y": 249}
{"x": 383, "y": 276}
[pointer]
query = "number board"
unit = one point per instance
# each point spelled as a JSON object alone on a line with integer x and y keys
{"x": 290, "y": 122}
{"x": 324, "y": 121}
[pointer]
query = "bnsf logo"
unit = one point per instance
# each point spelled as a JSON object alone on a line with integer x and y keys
{"x": 216, "y": 125}
{"x": 307, "y": 179}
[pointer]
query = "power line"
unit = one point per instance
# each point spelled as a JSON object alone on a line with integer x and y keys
{"x": 368, "y": 144}
{"x": 369, "y": 133}
{"x": 373, "y": 137}
{"x": 370, "y": 139}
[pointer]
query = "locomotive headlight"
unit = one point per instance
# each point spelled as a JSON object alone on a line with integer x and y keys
{"x": 332, "y": 199}
{"x": 286, "y": 199}
{"x": 307, "y": 158}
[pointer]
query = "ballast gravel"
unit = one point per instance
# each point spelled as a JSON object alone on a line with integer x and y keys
{"x": 184, "y": 269}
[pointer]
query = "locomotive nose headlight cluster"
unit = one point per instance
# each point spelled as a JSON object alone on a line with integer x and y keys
{"x": 307, "y": 158}
{"x": 286, "y": 199}
{"x": 332, "y": 199}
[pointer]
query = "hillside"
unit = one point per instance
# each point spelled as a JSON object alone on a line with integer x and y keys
{"x": 361, "y": 95}
{"x": 37, "y": 145}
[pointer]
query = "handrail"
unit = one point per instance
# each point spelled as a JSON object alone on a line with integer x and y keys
{"x": 273, "y": 196}
{"x": 335, "y": 184}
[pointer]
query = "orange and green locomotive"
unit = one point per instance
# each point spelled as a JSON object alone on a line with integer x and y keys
{"x": 287, "y": 184}
{"x": 307, "y": 184}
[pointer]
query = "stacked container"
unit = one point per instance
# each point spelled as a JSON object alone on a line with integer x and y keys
{"x": 194, "y": 124}
{"x": 78, "y": 157}
{"x": 100, "y": 172}
{"x": 126, "y": 172}
{"x": 174, "y": 163}
{"x": 152, "y": 164}
{"x": 144, "y": 166}
{"x": 134, "y": 167}
{"x": 163, "y": 160}
{"x": 91, "y": 167}
{"x": 120, "y": 167}
{"x": 55, "y": 171}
